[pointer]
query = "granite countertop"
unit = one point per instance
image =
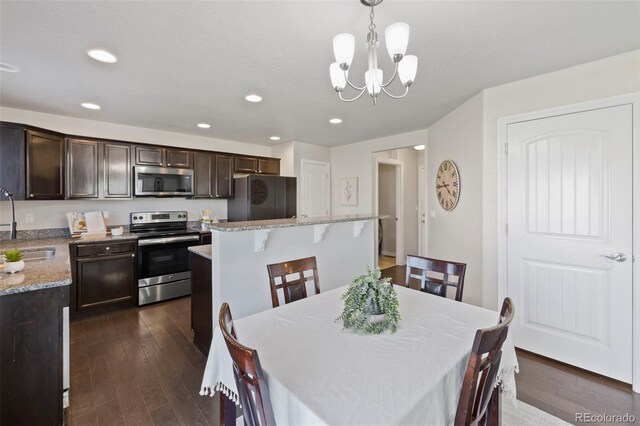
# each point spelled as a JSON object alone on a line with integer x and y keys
{"x": 204, "y": 251}
{"x": 287, "y": 223}
{"x": 199, "y": 229}
{"x": 46, "y": 273}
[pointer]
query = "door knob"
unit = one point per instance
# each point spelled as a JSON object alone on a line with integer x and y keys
{"x": 618, "y": 257}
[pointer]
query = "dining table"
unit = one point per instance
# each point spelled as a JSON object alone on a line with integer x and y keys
{"x": 319, "y": 373}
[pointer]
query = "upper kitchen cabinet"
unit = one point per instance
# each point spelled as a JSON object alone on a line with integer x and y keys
{"x": 82, "y": 168}
{"x": 246, "y": 165}
{"x": 12, "y": 156}
{"x": 179, "y": 158}
{"x": 45, "y": 166}
{"x": 150, "y": 156}
{"x": 116, "y": 182}
{"x": 163, "y": 157}
{"x": 269, "y": 166}
{"x": 204, "y": 175}
{"x": 224, "y": 176}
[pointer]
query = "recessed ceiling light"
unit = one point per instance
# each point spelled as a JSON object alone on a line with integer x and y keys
{"x": 253, "y": 98}
{"x": 275, "y": 138}
{"x": 8, "y": 67}
{"x": 335, "y": 121}
{"x": 204, "y": 125}
{"x": 419, "y": 147}
{"x": 89, "y": 105}
{"x": 102, "y": 56}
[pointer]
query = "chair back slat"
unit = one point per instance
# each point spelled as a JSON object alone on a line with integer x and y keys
{"x": 295, "y": 289}
{"x": 479, "y": 385}
{"x": 427, "y": 267}
{"x": 252, "y": 387}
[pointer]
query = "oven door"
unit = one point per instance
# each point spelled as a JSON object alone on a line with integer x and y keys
{"x": 163, "y": 256}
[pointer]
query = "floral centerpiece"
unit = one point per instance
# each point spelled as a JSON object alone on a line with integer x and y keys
{"x": 370, "y": 304}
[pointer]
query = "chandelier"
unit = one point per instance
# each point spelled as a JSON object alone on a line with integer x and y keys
{"x": 396, "y": 37}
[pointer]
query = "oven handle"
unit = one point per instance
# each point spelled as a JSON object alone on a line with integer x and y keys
{"x": 167, "y": 240}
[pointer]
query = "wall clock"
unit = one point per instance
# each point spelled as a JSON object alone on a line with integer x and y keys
{"x": 448, "y": 185}
{"x": 259, "y": 192}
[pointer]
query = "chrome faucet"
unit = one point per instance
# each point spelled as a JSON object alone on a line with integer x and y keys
{"x": 12, "y": 225}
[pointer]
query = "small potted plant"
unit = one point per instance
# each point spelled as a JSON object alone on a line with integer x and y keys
{"x": 13, "y": 261}
{"x": 370, "y": 304}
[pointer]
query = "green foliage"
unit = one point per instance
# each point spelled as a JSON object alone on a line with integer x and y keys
{"x": 359, "y": 304}
{"x": 13, "y": 255}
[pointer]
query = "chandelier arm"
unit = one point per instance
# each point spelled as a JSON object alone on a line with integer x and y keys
{"x": 351, "y": 84}
{"x": 354, "y": 99}
{"x": 396, "y": 96}
{"x": 395, "y": 72}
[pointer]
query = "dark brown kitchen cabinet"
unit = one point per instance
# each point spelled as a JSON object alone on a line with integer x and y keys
{"x": 179, "y": 158}
{"x": 223, "y": 176}
{"x": 82, "y": 168}
{"x": 269, "y": 166}
{"x": 103, "y": 276}
{"x": 246, "y": 164}
{"x": 204, "y": 175}
{"x": 31, "y": 346}
{"x": 45, "y": 166}
{"x": 150, "y": 156}
{"x": 116, "y": 182}
{"x": 12, "y": 156}
{"x": 201, "y": 311}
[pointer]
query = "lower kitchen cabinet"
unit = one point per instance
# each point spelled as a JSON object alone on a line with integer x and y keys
{"x": 104, "y": 276}
{"x": 201, "y": 313}
{"x": 31, "y": 347}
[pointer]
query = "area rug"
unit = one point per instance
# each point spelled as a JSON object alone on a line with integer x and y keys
{"x": 517, "y": 413}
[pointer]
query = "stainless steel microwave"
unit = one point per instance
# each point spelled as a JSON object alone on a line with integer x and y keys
{"x": 163, "y": 182}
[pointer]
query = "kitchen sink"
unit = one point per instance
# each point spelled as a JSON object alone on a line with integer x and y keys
{"x": 43, "y": 253}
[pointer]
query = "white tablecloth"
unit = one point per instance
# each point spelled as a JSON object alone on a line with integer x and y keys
{"x": 319, "y": 373}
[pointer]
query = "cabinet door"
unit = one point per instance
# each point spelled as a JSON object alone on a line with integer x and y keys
{"x": 269, "y": 166}
{"x": 149, "y": 156}
{"x": 224, "y": 176}
{"x": 117, "y": 170}
{"x": 82, "y": 168}
{"x": 45, "y": 166}
{"x": 203, "y": 165}
{"x": 179, "y": 158}
{"x": 246, "y": 164}
{"x": 201, "y": 312}
{"x": 103, "y": 280}
{"x": 12, "y": 155}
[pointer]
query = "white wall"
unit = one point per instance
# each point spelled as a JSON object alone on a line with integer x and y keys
{"x": 284, "y": 152}
{"x": 387, "y": 206}
{"x": 608, "y": 77}
{"x": 355, "y": 160}
{"x": 457, "y": 235}
{"x": 51, "y": 214}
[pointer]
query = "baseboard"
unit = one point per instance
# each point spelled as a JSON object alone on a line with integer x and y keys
{"x": 388, "y": 253}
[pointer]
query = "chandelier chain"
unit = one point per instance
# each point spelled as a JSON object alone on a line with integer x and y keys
{"x": 372, "y": 26}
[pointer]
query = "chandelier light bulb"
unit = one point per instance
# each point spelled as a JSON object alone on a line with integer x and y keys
{"x": 397, "y": 38}
{"x": 407, "y": 69}
{"x": 338, "y": 79}
{"x": 344, "y": 46}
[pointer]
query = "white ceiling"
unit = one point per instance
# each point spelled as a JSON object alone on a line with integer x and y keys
{"x": 182, "y": 63}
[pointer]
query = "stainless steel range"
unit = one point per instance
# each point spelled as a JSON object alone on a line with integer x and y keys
{"x": 163, "y": 256}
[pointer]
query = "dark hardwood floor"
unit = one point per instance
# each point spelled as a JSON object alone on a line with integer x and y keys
{"x": 560, "y": 389}
{"x": 139, "y": 367}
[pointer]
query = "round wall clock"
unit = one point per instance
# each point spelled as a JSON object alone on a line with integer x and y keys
{"x": 259, "y": 192}
{"x": 448, "y": 185}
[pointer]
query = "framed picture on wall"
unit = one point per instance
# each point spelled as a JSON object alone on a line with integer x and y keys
{"x": 349, "y": 191}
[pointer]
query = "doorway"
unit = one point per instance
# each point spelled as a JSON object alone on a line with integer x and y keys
{"x": 567, "y": 247}
{"x": 315, "y": 188}
{"x": 387, "y": 235}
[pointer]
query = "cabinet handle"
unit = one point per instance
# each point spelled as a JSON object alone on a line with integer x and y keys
{"x": 108, "y": 248}
{"x": 133, "y": 255}
{"x": 30, "y": 195}
{"x": 168, "y": 164}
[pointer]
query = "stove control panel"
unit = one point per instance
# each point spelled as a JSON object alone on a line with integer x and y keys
{"x": 158, "y": 217}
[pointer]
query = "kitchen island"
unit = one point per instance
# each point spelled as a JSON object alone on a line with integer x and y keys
{"x": 240, "y": 252}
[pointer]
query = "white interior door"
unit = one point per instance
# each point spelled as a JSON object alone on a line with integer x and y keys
{"x": 570, "y": 238}
{"x": 422, "y": 211}
{"x": 315, "y": 189}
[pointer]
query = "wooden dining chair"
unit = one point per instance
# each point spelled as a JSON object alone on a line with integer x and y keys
{"x": 297, "y": 288}
{"x": 430, "y": 284}
{"x": 252, "y": 386}
{"x": 479, "y": 402}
